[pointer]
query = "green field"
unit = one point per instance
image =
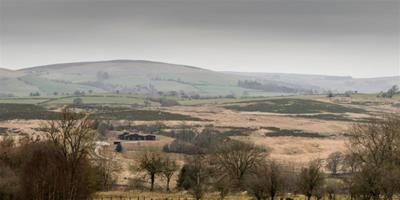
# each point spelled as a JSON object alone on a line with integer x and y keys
{"x": 103, "y": 99}
{"x": 122, "y": 99}
{"x": 88, "y": 99}
{"x": 48, "y": 87}
{"x": 24, "y": 100}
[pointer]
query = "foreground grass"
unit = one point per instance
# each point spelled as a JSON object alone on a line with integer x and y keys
{"x": 136, "y": 195}
{"x": 159, "y": 196}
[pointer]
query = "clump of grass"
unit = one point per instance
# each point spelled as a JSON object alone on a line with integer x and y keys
{"x": 278, "y": 132}
{"x": 237, "y": 131}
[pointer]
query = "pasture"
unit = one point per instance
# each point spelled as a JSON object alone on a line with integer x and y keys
{"x": 298, "y": 129}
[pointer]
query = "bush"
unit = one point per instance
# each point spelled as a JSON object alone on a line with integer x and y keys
{"x": 168, "y": 102}
{"x": 119, "y": 148}
{"x": 77, "y": 101}
{"x": 311, "y": 179}
{"x": 136, "y": 183}
{"x": 189, "y": 142}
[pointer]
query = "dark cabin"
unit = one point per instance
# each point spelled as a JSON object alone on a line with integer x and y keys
{"x": 134, "y": 136}
{"x": 123, "y": 135}
{"x": 150, "y": 137}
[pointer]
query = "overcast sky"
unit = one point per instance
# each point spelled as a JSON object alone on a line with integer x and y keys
{"x": 360, "y": 38}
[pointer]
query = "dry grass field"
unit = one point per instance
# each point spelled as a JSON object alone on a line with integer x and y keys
{"x": 139, "y": 195}
{"x": 298, "y": 144}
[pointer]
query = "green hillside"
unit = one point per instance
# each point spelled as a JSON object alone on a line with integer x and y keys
{"x": 155, "y": 78}
{"x": 124, "y": 76}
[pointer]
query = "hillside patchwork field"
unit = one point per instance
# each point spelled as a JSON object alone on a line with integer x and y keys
{"x": 149, "y": 78}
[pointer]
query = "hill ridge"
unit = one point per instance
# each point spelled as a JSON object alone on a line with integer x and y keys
{"x": 67, "y": 64}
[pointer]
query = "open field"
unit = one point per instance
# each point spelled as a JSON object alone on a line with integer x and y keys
{"x": 292, "y": 106}
{"x": 292, "y": 129}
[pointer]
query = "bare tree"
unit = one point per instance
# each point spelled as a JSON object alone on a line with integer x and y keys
{"x": 60, "y": 166}
{"x": 375, "y": 153}
{"x": 73, "y": 139}
{"x": 222, "y": 184}
{"x": 332, "y": 187}
{"x": 108, "y": 168}
{"x": 8, "y": 176}
{"x": 376, "y": 142}
{"x": 266, "y": 181}
{"x": 311, "y": 179}
{"x": 334, "y": 160}
{"x": 195, "y": 175}
{"x": 169, "y": 168}
{"x": 152, "y": 163}
{"x": 236, "y": 159}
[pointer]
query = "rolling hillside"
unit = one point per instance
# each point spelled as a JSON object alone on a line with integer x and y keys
{"x": 334, "y": 83}
{"x": 146, "y": 77}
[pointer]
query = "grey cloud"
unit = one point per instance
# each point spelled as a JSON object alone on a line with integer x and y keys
{"x": 227, "y": 26}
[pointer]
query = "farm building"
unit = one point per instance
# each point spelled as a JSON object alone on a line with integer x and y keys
{"x": 150, "y": 137}
{"x": 135, "y": 136}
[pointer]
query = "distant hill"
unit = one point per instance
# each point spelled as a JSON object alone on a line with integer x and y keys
{"x": 155, "y": 78}
{"x": 333, "y": 83}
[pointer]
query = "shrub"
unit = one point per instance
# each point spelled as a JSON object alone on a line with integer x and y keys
{"x": 77, "y": 101}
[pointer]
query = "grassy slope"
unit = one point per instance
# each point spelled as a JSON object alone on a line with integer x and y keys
{"x": 123, "y": 74}
{"x": 107, "y": 99}
{"x": 127, "y": 74}
{"x": 48, "y": 87}
{"x": 16, "y": 87}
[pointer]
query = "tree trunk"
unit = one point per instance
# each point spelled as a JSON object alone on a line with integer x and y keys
{"x": 152, "y": 177}
{"x": 168, "y": 180}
